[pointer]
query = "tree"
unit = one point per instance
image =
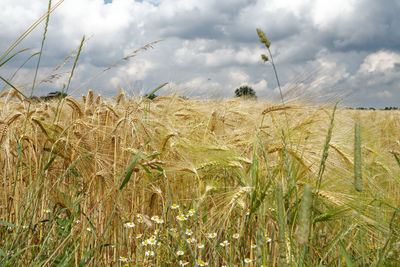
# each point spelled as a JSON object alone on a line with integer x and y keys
{"x": 245, "y": 91}
{"x": 151, "y": 97}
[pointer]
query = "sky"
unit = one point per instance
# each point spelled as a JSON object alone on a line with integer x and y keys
{"x": 340, "y": 50}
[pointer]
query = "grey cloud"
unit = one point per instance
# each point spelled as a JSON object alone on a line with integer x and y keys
{"x": 372, "y": 25}
{"x": 213, "y": 45}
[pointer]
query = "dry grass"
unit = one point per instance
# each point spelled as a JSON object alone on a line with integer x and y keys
{"x": 103, "y": 161}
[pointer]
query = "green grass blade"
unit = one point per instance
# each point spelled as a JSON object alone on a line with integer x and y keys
{"x": 349, "y": 262}
{"x": 16, "y": 53}
{"x": 28, "y": 31}
{"x": 20, "y": 67}
{"x": 19, "y": 252}
{"x": 155, "y": 90}
{"x": 13, "y": 87}
{"x": 281, "y": 225}
{"x": 8, "y": 224}
{"x": 75, "y": 62}
{"x": 41, "y": 47}
{"x": 48, "y": 164}
{"x": 397, "y": 159}
{"x": 2, "y": 253}
{"x": 131, "y": 167}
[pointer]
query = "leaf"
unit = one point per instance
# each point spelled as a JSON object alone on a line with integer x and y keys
{"x": 17, "y": 254}
{"x": 155, "y": 90}
{"x": 2, "y": 254}
{"x": 8, "y": 59}
{"x": 13, "y": 87}
{"x": 8, "y": 224}
{"x": 74, "y": 172}
{"x": 29, "y": 30}
{"x": 397, "y": 159}
{"x": 50, "y": 130}
{"x": 19, "y": 149}
{"x": 88, "y": 253}
{"x": 48, "y": 164}
{"x": 349, "y": 262}
{"x": 131, "y": 167}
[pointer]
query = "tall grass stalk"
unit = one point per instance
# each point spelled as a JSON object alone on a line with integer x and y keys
{"x": 281, "y": 225}
{"x": 357, "y": 158}
{"x": 305, "y": 221}
{"x": 325, "y": 149}
{"x": 263, "y": 39}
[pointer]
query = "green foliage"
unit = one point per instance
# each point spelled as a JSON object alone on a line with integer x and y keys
{"x": 151, "y": 97}
{"x": 245, "y": 91}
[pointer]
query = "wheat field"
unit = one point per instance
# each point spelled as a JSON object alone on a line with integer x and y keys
{"x": 176, "y": 181}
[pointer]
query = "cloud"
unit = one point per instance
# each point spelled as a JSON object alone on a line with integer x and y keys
{"x": 348, "y": 48}
{"x": 381, "y": 61}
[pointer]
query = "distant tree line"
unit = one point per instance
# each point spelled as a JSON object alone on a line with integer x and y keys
{"x": 49, "y": 96}
{"x": 371, "y": 108}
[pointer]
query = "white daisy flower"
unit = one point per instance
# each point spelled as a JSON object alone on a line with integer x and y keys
{"x": 247, "y": 260}
{"x": 123, "y": 259}
{"x": 191, "y": 240}
{"x": 225, "y": 243}
{"x": 174, "y": 206}
{"x": 189, "y": 232}
{"x": 149, "y": 253}
{"x": 183, "y": 262}
{"x": 212, "y": 235}
{"x": 181, "y": 217}
{"x": 129, "y": 225}
{"x": 191, "y": 212}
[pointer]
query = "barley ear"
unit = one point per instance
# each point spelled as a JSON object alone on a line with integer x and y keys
{"x": 90, "y": 97}
{"x": 120, "y": 98}
{"x": 98, "y": 100}
{"x": 74, "y": 105}
{"x": 357, "y": 158}
{"x": 305, "y": 216}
